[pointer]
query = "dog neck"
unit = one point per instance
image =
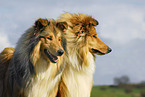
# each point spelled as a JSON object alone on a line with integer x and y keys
{"x": 78, "y": 54}
{"x": 45, "y": 83}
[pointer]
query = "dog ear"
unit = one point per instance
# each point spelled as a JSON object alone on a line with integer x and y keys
{"x": 62, "y": 25}
{"x": 40, "y": 24}
{"x": 94, "y": 22}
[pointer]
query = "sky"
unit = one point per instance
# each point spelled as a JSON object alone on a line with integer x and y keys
{"x": 121, "y": 26}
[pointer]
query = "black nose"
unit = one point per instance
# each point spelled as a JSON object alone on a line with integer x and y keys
{"x": 60, "y": 52}
{"x": 109, "y": 50}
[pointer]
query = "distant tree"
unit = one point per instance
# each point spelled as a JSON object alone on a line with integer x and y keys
{"x": 121, "y": 80}
{"x": 117, "y": 81}
{"x": 142, "y": 83}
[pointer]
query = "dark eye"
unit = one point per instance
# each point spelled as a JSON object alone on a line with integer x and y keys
{"x": 59, "y": 39}
{"x": 41, "y": 37}
{"x": 94, "y": 36}
{"x": 50, "y": 38}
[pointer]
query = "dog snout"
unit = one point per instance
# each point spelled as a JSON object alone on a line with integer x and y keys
{"x": 109, "y": 50}
{"x": 60, "y": 52}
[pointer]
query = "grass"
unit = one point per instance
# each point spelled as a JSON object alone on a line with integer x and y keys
{"x": 118, "y": 91}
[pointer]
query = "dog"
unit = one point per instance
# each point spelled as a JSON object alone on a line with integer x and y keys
{"x": 82, "y": 45}
{"x": 33, "y": 68}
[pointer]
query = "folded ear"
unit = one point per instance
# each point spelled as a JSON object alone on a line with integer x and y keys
{"x": 62, "y": 25}
{"x": 41, "y": 23}
{"x": 94, "y": 22}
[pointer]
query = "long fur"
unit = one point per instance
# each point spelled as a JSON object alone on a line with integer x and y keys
{"x": 29, "y": 74}
{"x": 5, "y": 57}
{"x": 77, "y": 77}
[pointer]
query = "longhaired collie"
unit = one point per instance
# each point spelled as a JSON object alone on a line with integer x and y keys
{"x": 33, "y": 68}
{"x": 82, "y": 45}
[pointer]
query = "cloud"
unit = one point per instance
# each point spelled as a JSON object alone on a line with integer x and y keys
{"x": 122, "y": 22}
{"x": 123, "y": 60}
{"x": 4, "y": 42}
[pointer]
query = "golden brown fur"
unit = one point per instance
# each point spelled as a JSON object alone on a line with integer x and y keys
{"x": 82, "y": 44}
{"x": 5, "y": 57}
{"x": 33, "y": 69}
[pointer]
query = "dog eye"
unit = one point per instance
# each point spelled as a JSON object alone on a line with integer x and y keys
{"x": 82, "y": 31}
{"x": 41, "y": 37}
{"x": 50, "y": 38}
{"x": 59, "y": 39}
{"x": 94, "y": 36}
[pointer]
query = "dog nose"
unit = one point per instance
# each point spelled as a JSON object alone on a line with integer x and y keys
{"x": 109, "y": 50}
{"x": 60, "y": 52}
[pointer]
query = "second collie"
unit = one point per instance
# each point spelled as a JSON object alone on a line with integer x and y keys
{"x": 82, "y": 44}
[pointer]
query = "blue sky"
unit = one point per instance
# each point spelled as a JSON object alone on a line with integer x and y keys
{"x": 121, "y": 26}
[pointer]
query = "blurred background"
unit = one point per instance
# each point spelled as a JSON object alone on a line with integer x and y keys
{"x": 121, "y": 26}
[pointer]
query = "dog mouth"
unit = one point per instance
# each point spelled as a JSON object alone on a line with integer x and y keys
{"x": 97, "y": 52}
{"x": 51, "y": 57}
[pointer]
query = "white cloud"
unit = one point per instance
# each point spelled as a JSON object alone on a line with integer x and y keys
{"x": 123, "y": 22}
{"x": 4, "y": 42}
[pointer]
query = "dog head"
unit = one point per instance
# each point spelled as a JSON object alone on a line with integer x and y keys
{"x": 51, "y": 41}
{"x": 40, "y": 45}
{"x": 82, "y": 28}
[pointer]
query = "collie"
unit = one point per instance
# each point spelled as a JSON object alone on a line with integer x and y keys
{"x": 82, "y": 44}
{"x": 33, "y": 69}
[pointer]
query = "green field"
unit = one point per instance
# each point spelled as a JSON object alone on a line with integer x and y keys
{"x": 118, "y": 91}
